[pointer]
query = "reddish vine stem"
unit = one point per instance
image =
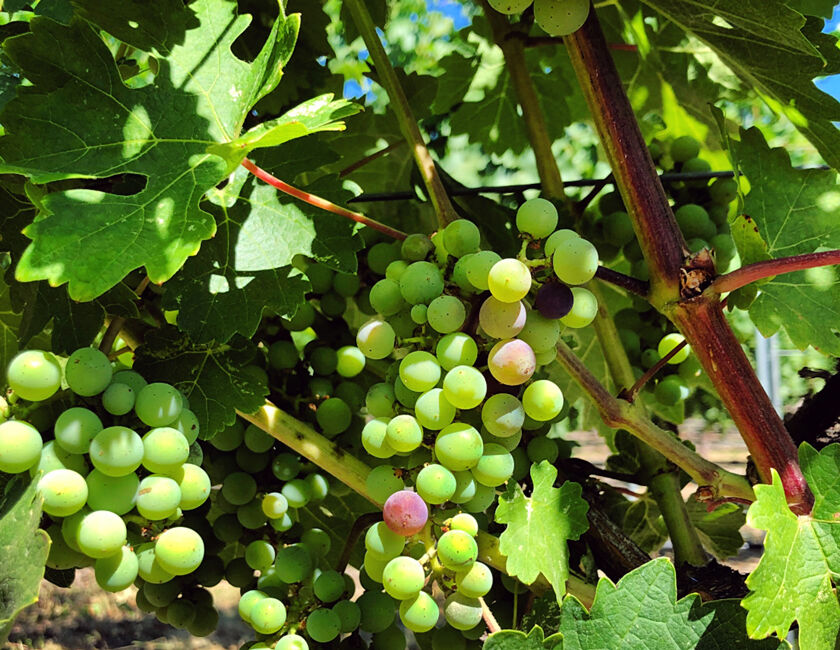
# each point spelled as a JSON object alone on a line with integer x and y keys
{"x": 318, "y": 202}
{"x": 631, "y": 394}
{"x": 768, "y": 268}
{"x": 638, "y": 287}
{"x": 369, "y": 159}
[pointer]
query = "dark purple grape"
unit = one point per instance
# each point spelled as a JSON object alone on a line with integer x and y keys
{"x": 554, "y": 300}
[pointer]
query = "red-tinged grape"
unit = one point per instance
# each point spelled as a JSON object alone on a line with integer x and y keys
{"x": 405, "y": 513}
{"x": 554, "y": 300}
{"x": 512, "y": 362}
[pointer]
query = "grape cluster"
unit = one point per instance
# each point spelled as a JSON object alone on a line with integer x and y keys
{"x": 557, "y": 17}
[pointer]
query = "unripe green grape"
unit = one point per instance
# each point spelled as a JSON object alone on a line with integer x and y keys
{"x": 404, "y": 434}
{"x": 456, "y": 349}
{"x": 230, "y": 438}
{"x": 378, "y": 611}
{"x": 88, "y": 372}
{"x": 274, "y": 505}
{"x": 303, "y": 318}
{"x": 584, "y": 309}
{"x": 34, "y": 375}
{"x": 332, "y": 304}
{"x": 477, "y": 268}
{"x": 180, "y": 613}
{"x": 476, "y": 581}
{"x": 457, "y": 550}
{"x": 75, "y": 428}
{"x": 560, "y": 17}
{"x": 509, "y": 280}
{"x": 671, "y": 341}
{"x": 556, "y": 238}
{"x": 693, "y": 165}
{"x": 323, "y": 625}
{"x": 694, "y": 222}
{"x": 435, "y": 484}
{"x": 61, "y": 556}
{"x": 379, "y": 400}
{"x": 118, "y": 571}
{"x": 458, "y": 447}
{"x": 297, "y": 493}
{"x": 101, "y": 533}
{"x": 617, "y": 228}
{"x": 539, "y": 332}
{"x": 723, "y": 190}
{"x": 329, "y": 586}
{"x": 179, "y": 550}
{"x": 158, "y": 404}
{"x": 510, "y": 6}
{"x": 149, "y": 569}
{"x": 268, "y": 615}
{"x": 374, "y": 566}
{"x": 459, "y": 275}
{"x": 462, "y": 612}
{"x": 420, "y": 613}
{"x": 382, "y": 482}
{"x": 257, "y": 440}
{"x": 494, "y": 467}
{"x": 20, "y": 446}
{"x": 317, "y": 541}
{"x": 464, "y": 387}
{"x": 536, "y": 217}
{"x": 684, "y": 148}
{"x": 446, "y": 314}
{"x": 419, "y": 371}
{"x": 465, "y": 487}
{"x": 318, "y": 487}
{"x": 433, "y": 411}
{"x": 239, "y": 488}
{"x": 63, "y": 491}
{"x": 349, "y": 615}
{"x": 323, "y": 360}
{"x": 380, "y": 255}
{"x": 542, "y": 448}
{"x": 247, "y": 601}
{"x": 502, "y": 320}
{"x": 158, "y": 497}
{"x": 285, "y": 466}
{"x": 320, "y": 388}
{"x": 118, "y": 399}
{"x": 416, "y": 247}
{"x": 502, "y": 415}
{"x": 161, "y": 595}
{"x": 292, "y": 642}
{"x": 375, "y": 439}
{"x": 511, "y": 362}
{"x": 669, "y": 391}
{"x": 542, "y": 400}
{"x": 283, "y": 355}
{"x": 320, "y": 277}
{"x": 464, "y": 521}
{"x": 575, "y": 261}
{"x": 259, "y": 555}
{"x": 333, "y": 416}
{"x": 461, "y": 237}
{"x": 294, "y": 563}
{"x": 419, "y": 314}
{"x": 510, "y": 443}
{"x": 421, "y": 282}
{"x": 403, "y": 577}
{"x": 116, "y": 451}
{"x": 386, "y": 298}
{"x": 164, "y": 450}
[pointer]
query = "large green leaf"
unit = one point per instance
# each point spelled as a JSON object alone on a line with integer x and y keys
{"x": 642, "y": 612}
{"x": 539, "y": 526}
{"x": 516, "y": 640}
{"x": 200, "y": 97}
{"x": 794, "y": 212}
{"x": 793, "y": 580}
{"x": 9, "y": 326}
{"x": 774, "y": 49}
{"x": 23, "y": 547}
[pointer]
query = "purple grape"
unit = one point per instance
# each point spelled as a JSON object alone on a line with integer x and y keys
{"x": 405, "y": 513}
{"x": 554, "y": 300}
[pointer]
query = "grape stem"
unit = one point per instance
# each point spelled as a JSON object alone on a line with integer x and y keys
{"x": 361, "y": 524}
{"x": 117, "y": 322}
{"x": 769, "y": 268}
{"x": 631, "y": 394}
{"x": 387, "y": 77}
{"x": 489, "y": 619}
{"x": 370, "y": 158}
{"x": 319, "y": 202}
{"x": 631, "y": 284}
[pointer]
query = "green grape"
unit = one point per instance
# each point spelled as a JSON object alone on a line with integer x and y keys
{"x": 446, "y": 314}
{"x": 583, "y": 311}
{"x": 476, "y": 581}
{"x": 503, "y": 415}
{"x": 230, "y": 438}
{"x": 696, "y": 165}
{"x": 161, "y": 595}
{"x": 303, "y": 318}
{"x": 459, "y": 275}
{"x": 510, "y": 443}
{"x": 509, "y": 7}
{"x": 249, "y": 461}
{"x": 158, "y": 405}
{"x": 118, "y": 399}
{"x": 461, "y": 237}
{"x": 382, "y": 482}
{"x": 251, "y": 515}
{"x": 420, "y": 613}
{"x": 101, "y": 533}
{"x": 433, "y": 411}
{"x": 179, "y": 550}
{"x": 556, "y": 238}
{"x": 670, "y": 391}
{"x": 456, "y": 349}
{"x": 435, "y": 484}
{"x": 374, "y": 566}
{"x": 458, "y": 447}
{"x": 381, "y": 255}
{"x": 61, "y": 556}
{"x": 617, "y": 228}
{"x": 386, "y": 298}
{"x": 415, "y": 247}
{"x": 247, "y": 601}
{"x": 158, "y": 497}
{"x": 180, "y": 613}
{"x": 421, "y": 282}
{"x": 650, "y": 358}
{"x": 694, "y": 245}
{"x": 268, "y": 615}
{"x": 320, "y": 277}
{"x": 292, "y": 642}
{"x": 131, "y": 378}
{"x": 349, "y": 614}
{"x": 63, "y": 491}
{"x": 323, "y": 360}
{"x": 511, "y": 362}
{"x": 395, "y": 270}
{"x": 34, "y": 375}
{"x": 419, "y": 371}
{"x": 684, "y": 148}
{"x": 379, "y": 400}
{"x": 351, "y": 361}
{"x": 329, "y": 586}
{"x": 285, "y": 466}
{"x": 317, "y": 541}
{"x": 392, "y": 638}
{"x": 334, "y": 416}
{"x": 148, "y": 567}
{"x": 542, "y": 448}
{"x": 320, "y": 387}
{"x": 376, "y": 339}
{"x": 375, "y": 439}
{"x": 164, "y": 450}
{"x": 116, "y": 451}
{"x": 668, "y": 343}
{"x": 118, "y": 571}
{"x": 542, "y": 400}
{"x": 575, "y": 260}
{"x": 353, "y": 393}
{"x": 403, "y": 577}
{"x": 378, "y": 611}
{"x": 419, "y": 314}
{"x": 194, "y": 484}
{"x": 502, "y": 320}
{"x": 382, "y": 543}
{"x": 465, "y": 522}
{"x": 54, "y": 457}
{"x": 317, "y": 486}
{"x": 457, "y": 550}
{"x": 294, "y": 563}
{"x": 536, "y": 217}
{"x": 239, "y": 488}
{"x": 88, "y": 372}
{"x": 483, "y": 499}
{"x": 694, "y": 222}
{"x": 509, "y": 280}
{"x": 560, "y": 17}
{"x": 494, "y": 467}
{"x": 259, "y": 555}
{"x": 477, "y": 267}
{"x": 723, "y": 190}
{"x": 297, "y": 493}
{"x": 283, "y": 355}
{"x": 323, "y": 625}
{"x": 404, "y": 434}
{"x": 462, "y": 612}
{"x": 257, "y": 440}
{"x": 448, "y": 638}
{"x": 465, "y": 487}
{"x": 20, "y": 446}
{"x": 539, "y": 332}
{"x": 464, "y": 387}
{"x": 333, "y": 305}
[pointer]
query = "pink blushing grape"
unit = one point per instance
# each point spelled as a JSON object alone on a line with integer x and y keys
{"x": 405, "y": 513}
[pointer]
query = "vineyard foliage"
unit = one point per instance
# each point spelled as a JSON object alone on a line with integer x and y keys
{"x": 315, "y": 298}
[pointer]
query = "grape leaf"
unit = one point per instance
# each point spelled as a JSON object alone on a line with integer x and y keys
{"x": 823, "y": 8}
{"x": 24, "y": 547}
{"x": 775, "y": 50}
{"x": 200, "y": 96}
{"x": 336, "y": 515}
{"x": 9, "y": 325}
{"x": 720, "y": 529}
{"x": 795, "y": 211}
{"x": 539, "y": 526}
{"x": 793, "y": 580}
{"x": 642, "y": 612}
{"x": 516, "y": 640}
{"x": 215, "y": 377}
